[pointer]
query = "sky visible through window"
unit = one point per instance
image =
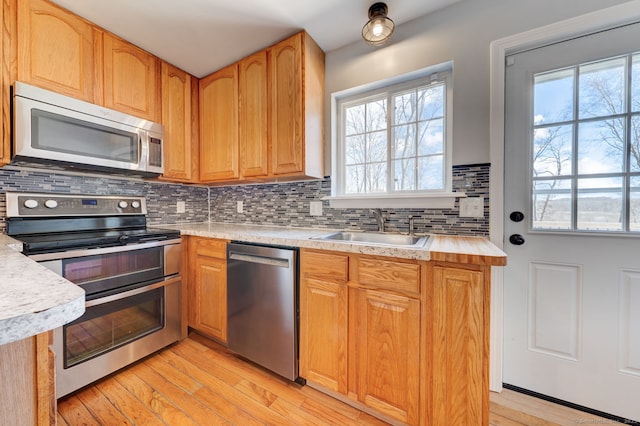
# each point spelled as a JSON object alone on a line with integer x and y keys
{"x": 396, "y": 150}
{"x": 586, "y": 147}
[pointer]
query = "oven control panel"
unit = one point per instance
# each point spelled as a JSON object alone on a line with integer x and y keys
{"x": 32, "y": 205}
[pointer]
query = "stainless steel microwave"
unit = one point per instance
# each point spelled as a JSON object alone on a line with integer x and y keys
{"x": 53, "y": 128}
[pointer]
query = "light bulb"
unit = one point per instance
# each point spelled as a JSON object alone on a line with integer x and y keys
{"x": 377, "y": 29}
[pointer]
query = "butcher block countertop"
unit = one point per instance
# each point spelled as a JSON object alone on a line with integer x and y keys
{"x": 457, "y": 249}
{"x": 33, "y": 299}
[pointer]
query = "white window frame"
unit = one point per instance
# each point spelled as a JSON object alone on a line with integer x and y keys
{"x": 444, "y": 198}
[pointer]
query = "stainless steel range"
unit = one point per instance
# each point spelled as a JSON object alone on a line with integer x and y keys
{"x": 130, "y": 273}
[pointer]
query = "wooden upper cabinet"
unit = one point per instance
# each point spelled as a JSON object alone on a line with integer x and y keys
{"x": 177, "y": 118}
{"x": 131, "y": 79}
{"x": 253, "y": 119}
{"x": 5, "y": 98}
{"x": 56, "y": 50}
{"x": 296, "y": 85}
{"x": 219, "y": 125}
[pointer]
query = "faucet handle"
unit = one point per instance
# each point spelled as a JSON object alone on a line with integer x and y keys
{"x": 411, "y": 224}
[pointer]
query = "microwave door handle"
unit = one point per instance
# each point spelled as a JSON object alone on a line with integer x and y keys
{"x": 141, "y": 155}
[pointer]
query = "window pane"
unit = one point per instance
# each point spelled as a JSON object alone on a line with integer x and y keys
{"x": 431, "y": 102}
{"x": 405, "y": 107}
{"x": 634, "y": 163}
{"x": 634, "y": 201}
{"x": 354, "y": 120}
{"x": 552, "y": 147}
{"x": 405, "y": 174}
{"x": 600, "y": 204}
{"x": 354, "y": 182}
{"x": 552, "y": 204}
{"x": 431, "y": 172}
{"x": 602, "y": 88}
{"x": 376, "y": 147}
{"x": 377, "y": 115}
{"x": 601, "y": 147}
{"x": 553, "y": 96}
{"x": 404, "y": 141}
{"x": 635, "y": 83}
{"x": 355, "y": 149}
{"x": 431, "y": 137}
{"x": 377, "y": 177}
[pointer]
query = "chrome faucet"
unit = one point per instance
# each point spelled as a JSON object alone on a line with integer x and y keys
{"x": 411, "y": 225}
{"x": 379, "y": 219}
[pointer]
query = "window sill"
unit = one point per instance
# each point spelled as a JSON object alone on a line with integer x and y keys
{"x": 434, "y": 201}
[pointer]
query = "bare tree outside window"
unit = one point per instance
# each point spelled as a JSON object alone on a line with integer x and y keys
{"x": 395, "y": 142}
{"x": 586, "y": 147}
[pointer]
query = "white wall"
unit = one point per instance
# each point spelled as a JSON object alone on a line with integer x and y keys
{"x": 461, "y": 33}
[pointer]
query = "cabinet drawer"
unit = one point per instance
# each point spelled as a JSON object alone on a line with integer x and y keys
{"x": 327, "y": 266}
{"x": 399, "y": 276}
{"x": 210, "y": 247}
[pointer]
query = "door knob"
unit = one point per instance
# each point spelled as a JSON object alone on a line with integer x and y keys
{"x": 516, "y": 239}
{"x": 516, "y": 216}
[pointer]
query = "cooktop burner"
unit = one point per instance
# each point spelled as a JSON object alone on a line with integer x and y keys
{"x": 47, "y": 243}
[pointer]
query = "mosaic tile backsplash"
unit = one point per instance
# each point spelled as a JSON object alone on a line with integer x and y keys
{"x": 287, "y": 204}
{"x": 283, "y": 204}
{"x": 161, "y": 197}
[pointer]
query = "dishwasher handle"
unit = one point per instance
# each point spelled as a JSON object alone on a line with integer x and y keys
{"x": 264, "y": 260}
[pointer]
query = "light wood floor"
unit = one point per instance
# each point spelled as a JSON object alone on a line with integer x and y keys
{"x": 197, "y": 382}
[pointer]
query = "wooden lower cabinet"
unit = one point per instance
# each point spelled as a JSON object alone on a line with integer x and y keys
{"x": 460, "y": 353}
{"x": 323, "y": 323}
{"x": 387, "y": 336}
{"x": 415, "y": 341}
{"x": 207, "y": 286}
{"x": 27, "y": 385}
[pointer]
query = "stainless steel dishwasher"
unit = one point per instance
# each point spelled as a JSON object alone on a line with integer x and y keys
{"x": 262, "y": 306}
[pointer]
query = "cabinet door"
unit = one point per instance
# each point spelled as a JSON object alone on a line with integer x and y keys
{"x": 219, "y": 125}
{"x": 323, "y": 334}
{"x": 55, "y": 49}
{"x": 286, "y": 112}
{"x": 27, "y": 386}
{"x": 460, "y": 352}
{"x": 387, "y": 333}
{"x": 176, "y": 117}
{"x": 211, "y": 296}
{"x": 131, "y": 79}
{"x": 5, "y": 98}
{"x": 253, "y": 106}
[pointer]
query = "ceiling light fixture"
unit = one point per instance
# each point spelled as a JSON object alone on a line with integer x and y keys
{"x": 380, "y": 27}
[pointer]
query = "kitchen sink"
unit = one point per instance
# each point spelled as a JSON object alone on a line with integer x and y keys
{"x": 374, "y": 238}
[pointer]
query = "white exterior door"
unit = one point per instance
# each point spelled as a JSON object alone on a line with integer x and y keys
{"x": 572, "y": 168}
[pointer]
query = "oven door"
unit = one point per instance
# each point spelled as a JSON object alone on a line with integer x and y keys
{"x": 106, "y": 271}
{"x": 115, "y": 331}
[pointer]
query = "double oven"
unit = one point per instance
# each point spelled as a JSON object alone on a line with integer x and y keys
{"x": 130, "y": 274}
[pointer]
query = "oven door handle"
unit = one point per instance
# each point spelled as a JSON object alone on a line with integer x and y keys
{"x": 135, "y": 291}
{"x": 103, "y": 250}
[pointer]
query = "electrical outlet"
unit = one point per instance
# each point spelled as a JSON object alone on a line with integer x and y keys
{"x": 240, "y": 207}
{"x": 472, "y": 207}
{"x": 315, "y": 208}
{"x": 181, "y": 207}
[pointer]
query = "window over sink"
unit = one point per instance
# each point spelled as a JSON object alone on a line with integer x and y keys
{"x": 392, "y": 142}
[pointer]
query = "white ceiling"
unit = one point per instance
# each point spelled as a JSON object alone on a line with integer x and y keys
{"x": 201, "y": 36}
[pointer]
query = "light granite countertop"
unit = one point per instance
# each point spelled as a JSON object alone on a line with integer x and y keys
{"x": 33, "y": 299}
{"x": 474, "y": 250}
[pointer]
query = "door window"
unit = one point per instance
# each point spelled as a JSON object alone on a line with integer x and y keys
{"x": 585, "y": 160}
